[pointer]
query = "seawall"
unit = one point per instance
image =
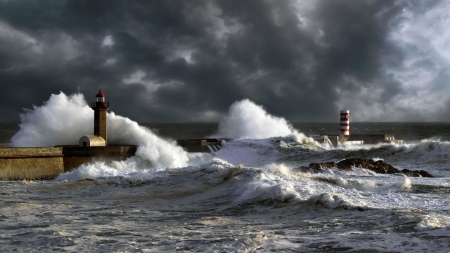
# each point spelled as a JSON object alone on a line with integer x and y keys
{"x": 48, "y": 162}
{"x": 31, "y": 163}
{"x": 356, "y": 138}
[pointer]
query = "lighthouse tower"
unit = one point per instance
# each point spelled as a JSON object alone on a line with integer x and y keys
{"x": 345, "y": 122}
{"x": 100, "y": 123}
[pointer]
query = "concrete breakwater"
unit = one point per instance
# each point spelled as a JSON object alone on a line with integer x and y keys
{"x": 43, "y": 163}
{"x": 46, "y": 163}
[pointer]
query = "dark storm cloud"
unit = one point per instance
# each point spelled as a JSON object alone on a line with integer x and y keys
{"x": 352, "y": 41}
{"x": 189, "y": 60}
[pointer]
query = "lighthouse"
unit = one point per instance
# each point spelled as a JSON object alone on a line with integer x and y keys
{"x": 100, "y": 137}
{"x": 100, "y": 107}
{"x": 345, "y": 122}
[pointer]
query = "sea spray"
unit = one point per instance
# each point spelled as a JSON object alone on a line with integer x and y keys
{"x": 246, "y": 120}
{"x": 62, "y": 120}
{"x": 272, "y": 202}
{"x": 161, "y": 153}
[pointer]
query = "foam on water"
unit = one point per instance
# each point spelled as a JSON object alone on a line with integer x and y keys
{"x": 62, "y": 120}
{"x": 263, "y": 143}
{"x": 433, "y": 221}
{"x": 270, "y": 184}
{"x": 253, "y": 176}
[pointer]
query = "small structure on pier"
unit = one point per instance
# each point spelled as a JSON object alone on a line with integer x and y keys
{"x": 354, "y": 139}
{"x": 92, "y": 141}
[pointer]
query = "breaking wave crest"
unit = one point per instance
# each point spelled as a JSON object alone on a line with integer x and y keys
{"x": 246, "y": 120}
{"x": 62, "y": 120}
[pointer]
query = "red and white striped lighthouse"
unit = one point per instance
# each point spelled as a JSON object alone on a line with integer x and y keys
{"x": 345, "y": 122}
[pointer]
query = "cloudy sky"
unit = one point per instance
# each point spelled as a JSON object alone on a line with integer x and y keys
{"x": 176, "y": 61}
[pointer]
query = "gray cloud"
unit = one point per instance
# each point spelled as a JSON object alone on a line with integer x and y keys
{"x": 189, "y": 60}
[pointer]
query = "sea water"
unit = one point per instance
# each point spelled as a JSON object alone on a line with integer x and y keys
{"x": 246, "y": 197}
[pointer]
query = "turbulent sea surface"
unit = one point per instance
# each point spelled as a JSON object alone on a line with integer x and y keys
{"x": 246, "y": 197}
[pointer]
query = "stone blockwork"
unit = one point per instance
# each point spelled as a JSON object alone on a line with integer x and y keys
{"x": 30, "y": 163}
{"x": 48, "y": 163}
{"x": 30, "y": 152}
{"x": 75, "y": 156}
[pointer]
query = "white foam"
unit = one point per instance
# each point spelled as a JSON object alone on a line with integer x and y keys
{"x": 266, "y": 189}
{"x": 246, "y": 120}
{"x": 62, "y": 120}
{"x": 96, "y": 170}
{"x": 329, "y": 200}
{"x": 248, "y": 152}
{"x": 433, "y": 221}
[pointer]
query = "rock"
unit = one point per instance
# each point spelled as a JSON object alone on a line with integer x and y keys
{"x": 416, "y": 173}
{"x": 303, "y": 169}
{"x": 317, "y": 167}
{"x": 376, "y": 166}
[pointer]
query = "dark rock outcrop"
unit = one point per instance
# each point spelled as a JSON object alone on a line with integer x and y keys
{"x": 317, "y": 167}
{"x": 416, "y": 173}
{"x": 376, "y": 166}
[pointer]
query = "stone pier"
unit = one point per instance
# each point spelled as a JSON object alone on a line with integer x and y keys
{"x": 48, "y": 162}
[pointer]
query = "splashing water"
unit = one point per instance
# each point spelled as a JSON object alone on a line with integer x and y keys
{"x": 250, "y": 184}
{"x": 246, "y": 120}
{"x": 62, "y": 120}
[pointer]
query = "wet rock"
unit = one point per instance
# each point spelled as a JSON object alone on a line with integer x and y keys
{"x": 317, "y": 167}
{"x": 416, "y": 173}
{"x": 376, "y": 166}
{"x": 303, "y": 169}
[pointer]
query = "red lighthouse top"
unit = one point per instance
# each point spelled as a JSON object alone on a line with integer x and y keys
{"x": 100, "y": 101}
{"x": 100, "y": 94}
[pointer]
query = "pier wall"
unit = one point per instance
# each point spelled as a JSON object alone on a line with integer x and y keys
{"x": 74, "y": 156}
{"x": 356, "y": 139}
{"x": 31, "y": 163}
{"x": 49, "y": 162}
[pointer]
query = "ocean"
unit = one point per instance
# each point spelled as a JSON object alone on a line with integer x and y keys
{"x": 246, "y": 197}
